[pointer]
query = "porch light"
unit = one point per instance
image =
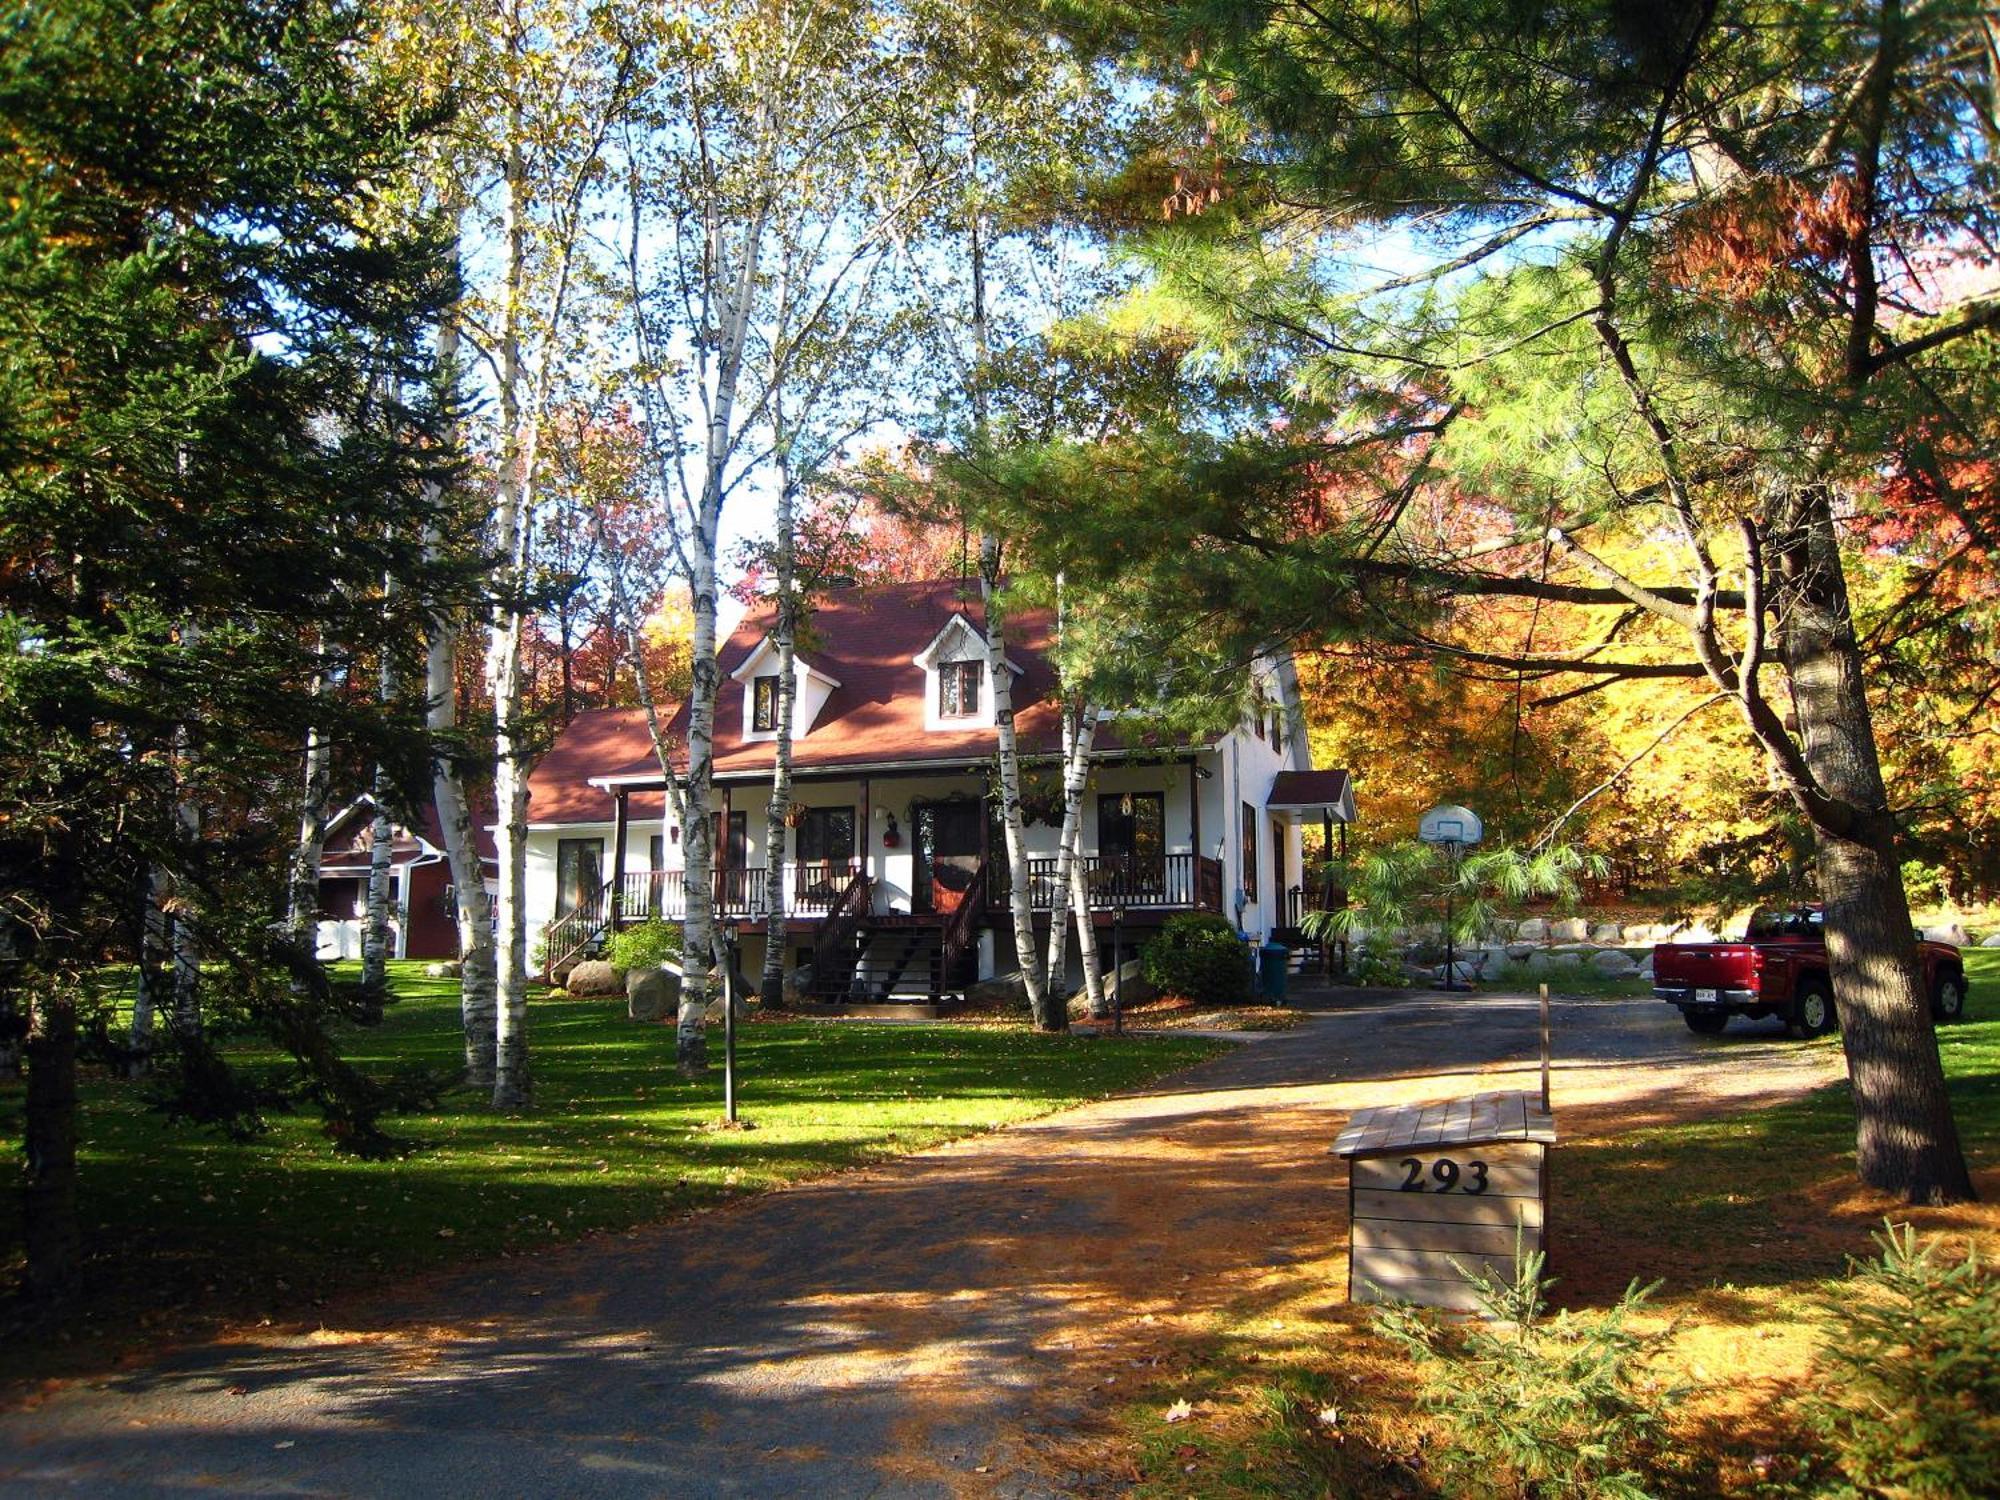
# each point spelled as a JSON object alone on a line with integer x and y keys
{"x": 1125, "y": 805}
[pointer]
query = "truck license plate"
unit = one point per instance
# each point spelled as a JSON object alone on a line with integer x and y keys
{"x": 1707, "y": 997}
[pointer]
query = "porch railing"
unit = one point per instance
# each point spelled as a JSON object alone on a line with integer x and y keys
{"x": 663, "y": 893}
{"x": 1161, "y": 880}
{"x": 1300, "y": 900}
{"x": 817, "y": 884}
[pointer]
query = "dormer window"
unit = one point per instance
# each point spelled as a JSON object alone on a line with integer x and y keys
{"x": 958, "y": 689}
{"x": 764, "y": 702}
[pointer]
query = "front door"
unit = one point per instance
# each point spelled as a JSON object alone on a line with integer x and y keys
{"x": 946, "y": 842}
{"x": 579, "y": 874}
{"x": 1132, "y": 844}
{"x": 825, "y": 860}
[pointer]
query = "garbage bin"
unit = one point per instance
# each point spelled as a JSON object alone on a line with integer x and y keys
{"x": 1271, "y": 971}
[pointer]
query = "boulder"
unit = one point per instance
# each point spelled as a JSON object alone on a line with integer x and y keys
{"x": 1947, "y": 932}
{"x": 1991, "y": 940}
{"x": 1569, "y": 930}
{"x": 1129, "y": 985}
{"x": 594, "y": 977}
{"x": 1519, "y": 952}
{"x": 442, "y": 971}
{"x": 1460, "y": 973}
{"x": 652, "y": 994}
{"x": 1539, "y": 962}
{"x": 1534, "y": 930}
{"x": 1646, "y": 969}
{"x": 1613, "y": 964}
{"x": 999, "y": 993}
{"x": 1607, "y": 934}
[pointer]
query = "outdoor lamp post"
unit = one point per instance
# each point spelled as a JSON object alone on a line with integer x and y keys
{"x": 729, "y": 1030}
{"x": 1118, "y": 968}
{"x": 1455, "y": 829}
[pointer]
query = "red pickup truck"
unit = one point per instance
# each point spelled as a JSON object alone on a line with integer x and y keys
{"x": 1780, "y": 969}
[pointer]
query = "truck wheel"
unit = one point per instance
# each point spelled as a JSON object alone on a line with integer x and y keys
{"x": 1706, "y": 1022}
{"x": 1948, "y": 999}
{"x": 1812, "y": 1010}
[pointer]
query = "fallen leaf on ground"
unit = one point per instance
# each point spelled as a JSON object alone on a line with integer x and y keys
{"x": 1180, "y": 1411}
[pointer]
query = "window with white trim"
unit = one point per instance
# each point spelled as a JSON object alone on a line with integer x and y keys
{"x": 764, "y": 703}
{"x": 958, "y": 689}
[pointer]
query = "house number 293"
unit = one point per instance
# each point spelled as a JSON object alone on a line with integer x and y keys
{"x": 1445, "y": 1173}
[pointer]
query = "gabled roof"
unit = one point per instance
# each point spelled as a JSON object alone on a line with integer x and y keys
{"x": 350, "y": 838}
{"x": 866, "y": 639}
{"x": 764, "y": 649}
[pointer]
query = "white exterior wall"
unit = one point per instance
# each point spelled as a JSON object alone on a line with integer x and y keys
{"x": 1249, "y": 764}
{"x": 1241, "y": 769}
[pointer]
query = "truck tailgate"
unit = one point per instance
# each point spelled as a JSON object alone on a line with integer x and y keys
{"x": 1718, "y": 966}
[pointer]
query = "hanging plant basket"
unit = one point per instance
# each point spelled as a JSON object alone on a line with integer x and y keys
{"x": 795, "y": 814}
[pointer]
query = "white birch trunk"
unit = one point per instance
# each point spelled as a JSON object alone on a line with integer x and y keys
{"x": 1079, "y": 731}
{"x": 155, "y": 985}
{"x": 302, "y": 914}
{"x": 698, "y": 927}
{"x": 512, "y": 529}
{"x": 1086, "y": 942}
{"x": 1048, "y": 1017}
{"x": 185, "y": 1015}
{"x": 699, "y": 931}
{"x": 474, "y": 909}
{"x": 375, "y": 939}
{"x": 773, "y": 985}
{"x": 461, "y": 848}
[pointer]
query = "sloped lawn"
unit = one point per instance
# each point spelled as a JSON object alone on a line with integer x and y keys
{"x": 187, "y": 1229}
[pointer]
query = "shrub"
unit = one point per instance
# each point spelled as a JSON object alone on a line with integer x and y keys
{"x": 645, "y": 945}
{"x": 1533, "y": 1404}
{"x": 1372, "y": 965}
{"x": 1910, "y": 1402}
{"x": 1197, "y": 956}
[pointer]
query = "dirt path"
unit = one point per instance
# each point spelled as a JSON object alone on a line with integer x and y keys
{"x": 931, "y": 1327}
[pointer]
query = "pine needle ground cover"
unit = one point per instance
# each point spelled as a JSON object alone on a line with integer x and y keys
{"x": 187, "y": 1230}
{"x": 1751, "y": 1222}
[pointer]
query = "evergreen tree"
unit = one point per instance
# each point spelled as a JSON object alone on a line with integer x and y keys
{"x": 207, "y": 467}
{"x": 1673, "y": 281}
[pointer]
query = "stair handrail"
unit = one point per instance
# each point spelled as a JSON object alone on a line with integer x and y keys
{"x": 575, "y": 930}
{"x": 959, "y": 930}
{"x": 837, "y": 928}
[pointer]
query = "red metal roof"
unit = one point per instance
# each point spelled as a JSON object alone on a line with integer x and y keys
{"x": 866, "y": 638}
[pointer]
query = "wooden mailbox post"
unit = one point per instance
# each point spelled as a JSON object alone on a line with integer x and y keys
{"x": 1438, "y": 1191}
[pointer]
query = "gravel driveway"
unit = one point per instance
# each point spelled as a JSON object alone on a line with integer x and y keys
{"x": 919, "y": 1329}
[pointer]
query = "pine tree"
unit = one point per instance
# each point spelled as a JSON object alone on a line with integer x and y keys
{"x": 199, "y": 475}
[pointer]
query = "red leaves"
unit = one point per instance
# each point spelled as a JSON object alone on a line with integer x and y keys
{"x": 1734, "y": 245}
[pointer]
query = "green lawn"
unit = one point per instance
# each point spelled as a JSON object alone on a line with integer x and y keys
{"x": 185, "y": 1226}
{"x": 1737, "y": 1180}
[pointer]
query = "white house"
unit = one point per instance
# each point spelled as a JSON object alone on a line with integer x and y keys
{"x": 895, "y": 878}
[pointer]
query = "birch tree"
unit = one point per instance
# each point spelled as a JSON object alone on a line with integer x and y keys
{"x": 542, "y": 98}
{"x": 1023, "y": 123}
{"x": 381, "y": 837}
{"x": 735, "y": 262}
